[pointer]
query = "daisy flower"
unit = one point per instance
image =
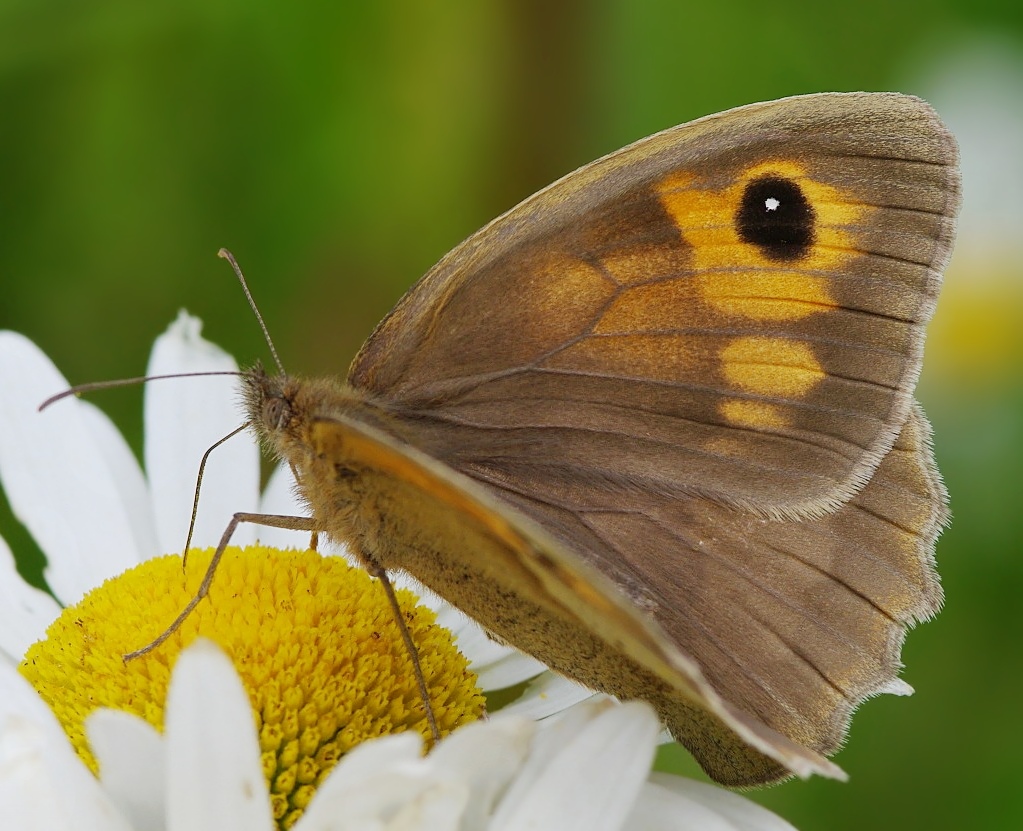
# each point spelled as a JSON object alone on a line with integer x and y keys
{"x": 278, "y": 743}
{"x": 586, "y": 768}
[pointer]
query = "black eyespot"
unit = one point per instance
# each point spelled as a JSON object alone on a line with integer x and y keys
{"x": 776, "y": 217}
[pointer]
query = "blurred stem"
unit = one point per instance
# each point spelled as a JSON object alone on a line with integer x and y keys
{"x": 545, "y": 110}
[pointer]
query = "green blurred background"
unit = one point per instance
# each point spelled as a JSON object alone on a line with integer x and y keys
{"x": 341, "y": 148}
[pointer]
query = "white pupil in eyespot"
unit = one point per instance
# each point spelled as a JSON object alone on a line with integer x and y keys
{"x": 772, "y": 204}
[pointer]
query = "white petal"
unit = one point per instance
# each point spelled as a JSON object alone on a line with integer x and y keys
{"x": 394, "y": 798}
{"x": 19, "y": 698}
{"x": 43, "y": 783}
{"x": 470, "y": 635}
{"x": 130, "y": 754}
{"x": 214, "y": 778}
{"x": 511, "y": 668}
{"x": 547, "y": 694}
{"x": 279, "y": 498}
{"x": 385, "y": 783}
{"x": 584, "y": 772}
{"x": 56, "y": 478}
{"x": 128, "y": 478}
{"x": 25, "y": 611}
{"x": 183, "y": 418}
{"x": 370, "y": 759}
{"x": 439, "y": 807}
{"x": 486, "y": 756}
{"x": 659, "y": 809}
{"x": 702, "y": 801}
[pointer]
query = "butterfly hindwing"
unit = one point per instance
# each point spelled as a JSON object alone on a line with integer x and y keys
{"x": 795, "y": 621}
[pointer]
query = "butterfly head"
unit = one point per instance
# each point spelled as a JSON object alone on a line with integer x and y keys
{"x": 282, "y": 409}
{"x": 270, "y": 402}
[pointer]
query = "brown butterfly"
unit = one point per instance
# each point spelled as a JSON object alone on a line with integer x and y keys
{"x": 655, "y": 425}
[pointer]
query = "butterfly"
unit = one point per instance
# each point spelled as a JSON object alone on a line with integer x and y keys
{"x": 655, "y": 425}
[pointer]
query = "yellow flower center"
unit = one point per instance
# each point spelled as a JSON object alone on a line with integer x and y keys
{"x": 313, "y": 639}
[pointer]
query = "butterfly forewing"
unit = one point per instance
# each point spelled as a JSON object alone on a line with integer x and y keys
{"x": 733, "y": 308}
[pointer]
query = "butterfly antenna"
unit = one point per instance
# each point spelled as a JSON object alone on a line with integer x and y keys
{"x": 227, "y": 255}
{"x": 126, "y": 382}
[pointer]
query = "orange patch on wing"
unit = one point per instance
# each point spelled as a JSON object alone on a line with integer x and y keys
{"x": 771, "y": 366}
{"x": 755, "y": 414}
{"x": 775, "y": 295}
{"x": 734, "y": 276}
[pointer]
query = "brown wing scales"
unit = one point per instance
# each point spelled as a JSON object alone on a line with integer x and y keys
{"x": 785, "y": 368}
{"x": 799, "y": 620}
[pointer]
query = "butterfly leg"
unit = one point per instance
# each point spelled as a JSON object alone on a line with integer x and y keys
{"x": 374, "y": 569}
{"x": 298, "y": 523}
{"x": 293, "y": 523}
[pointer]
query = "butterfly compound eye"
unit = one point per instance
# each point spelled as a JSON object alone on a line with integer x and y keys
{"x": 776, "y": 217}
{"x": 276, "y": 413}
